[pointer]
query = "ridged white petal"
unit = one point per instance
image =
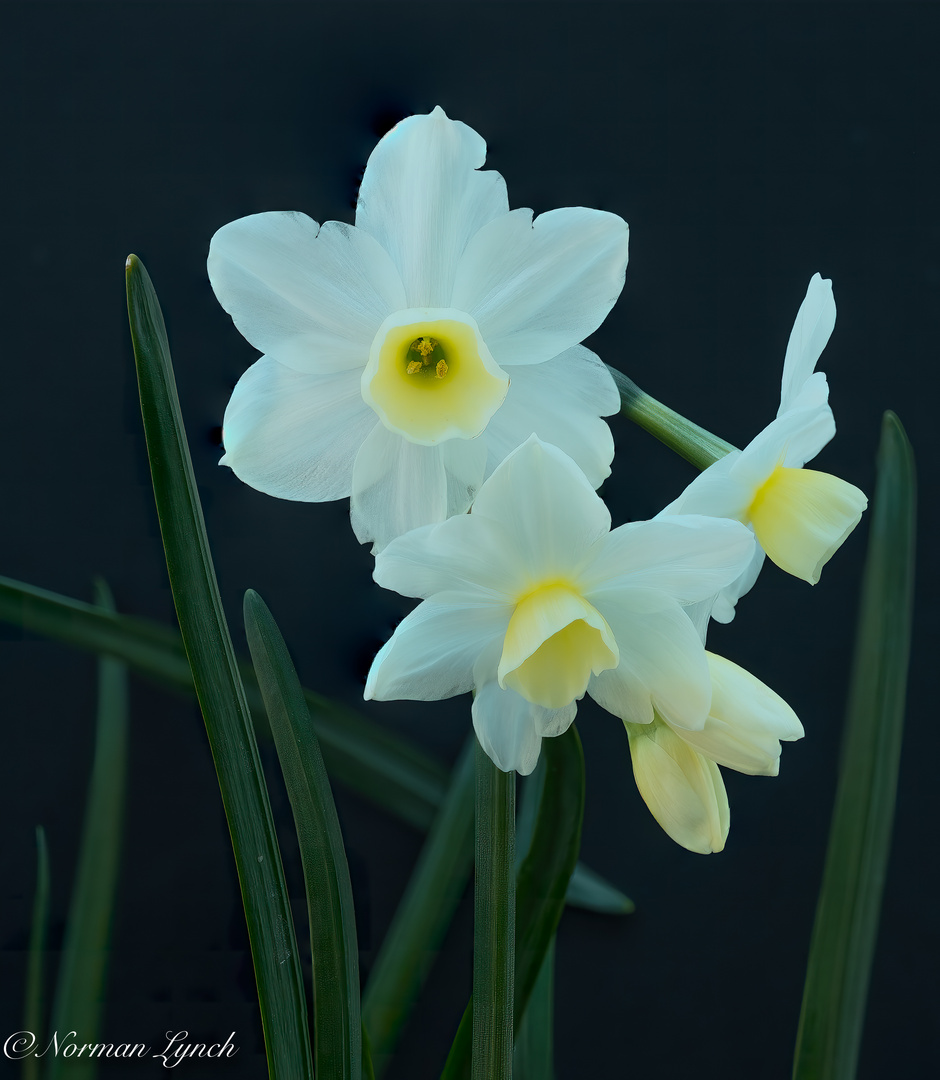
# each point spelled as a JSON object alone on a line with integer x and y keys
{"x": 506, "y": 726}
{"x": 537, "y": 288}
{"x": 293, "y": 435}
{"x": 662, "y": 662}
{"x": 396, "y": 486}
{"x": 745, "y": 723}
{"x": 688, "y": 558}
{"x": 715, "y": 492}
{"x": 550, "y": 512}
{"x": 432, "y": 652}
{"x": 311, "y": 297}
{"x": 814, "y": 323}
{"x": 465, "y": 554}
{"x": 561, "y": 401}
{"x": 683, "y": 790}
{"x": 423, "y": 199}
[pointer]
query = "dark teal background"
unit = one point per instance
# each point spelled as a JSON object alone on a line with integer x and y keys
{"x": 748, "y": 146}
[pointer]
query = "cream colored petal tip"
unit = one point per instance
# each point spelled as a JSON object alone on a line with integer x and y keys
{"x": 683, "y": 790}
{"x": 802, "y": 517}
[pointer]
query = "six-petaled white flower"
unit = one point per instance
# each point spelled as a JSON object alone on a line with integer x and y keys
{"x": 405, "y": 356}
{"x": 799, "y": 516}
{"x": 531, "y": 601}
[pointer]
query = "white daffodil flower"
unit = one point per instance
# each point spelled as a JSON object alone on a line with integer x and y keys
{"x": 531, "y": 601}
{"x": 405, "y": 356}
{"x": 800, "y": 517}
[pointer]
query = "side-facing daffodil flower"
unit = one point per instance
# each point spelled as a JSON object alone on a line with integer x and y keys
{"x": 531, "y": 601}
{"x": 800, "y": 517}
{"x": 405, "y": 356}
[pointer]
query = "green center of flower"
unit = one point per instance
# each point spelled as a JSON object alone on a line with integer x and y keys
{"x": 554, "y": 642}
{"x": 430, "y": 376}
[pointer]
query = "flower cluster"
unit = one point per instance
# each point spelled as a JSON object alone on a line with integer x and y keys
{"x": 428, "y": 361}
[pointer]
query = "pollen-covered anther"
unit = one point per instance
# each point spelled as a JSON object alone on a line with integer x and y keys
{"x": 430, "y": 376}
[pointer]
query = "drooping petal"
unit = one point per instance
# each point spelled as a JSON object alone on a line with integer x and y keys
{"x": 538, "y": 288}
{"x": 814, "y": 323}
{"x": 311, "y": 297}
{"x": 715, "y": 492}
{"x": 662, "y": 662}
{"x": 506, "y": 726}
{"x": 801, "y": 518}
{"x": 396, "y": 486}
{"x": 422, "y": 199}
{"x": 561, "y": 401}
{"x": 689, "y": 558}
{"x": 745, "y": 723}
{"x": 550, "y": 512}
{"x": 464, "y": 554}
{"x": 433, "y": 650}
{"x": 683, "y": 790}
{"x": 293, "y": 435}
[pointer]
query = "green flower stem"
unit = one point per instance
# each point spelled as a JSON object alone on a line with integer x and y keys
{"x": 846, "y": 926}
{"x": 692, "y": 442}
{"x": 494, "y": 934}
{"x": 423, "y": 914}
{"x": 79, "y": 992}
{"x": 35, "y": 1007}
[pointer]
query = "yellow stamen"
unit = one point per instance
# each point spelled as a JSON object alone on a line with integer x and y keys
{"x": 413, "y": 367}
{"x": 441, "y": 370}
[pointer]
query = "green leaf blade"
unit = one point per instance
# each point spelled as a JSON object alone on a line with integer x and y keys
{"x": 80, "y": 987}
{"x": 846, "y": 925}
{"x": 34, "y": 1011}
{"x": 337, "y": 1023}
{"x": 423, "y": 914}
{"x": 219, "y": 689}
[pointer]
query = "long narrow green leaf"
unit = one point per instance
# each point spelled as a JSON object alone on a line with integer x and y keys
{"x": 692, "y": 442}
{"x": 494, "y": 920}
{"x": 34, "y": 1013}
{"x": 221, "y": 694}
{"x": 849, "y": 905}
{"x": 534, "y": 1054}
{"x": 377, "y": 765}
{"x": 423, "y": 914}
{"x": 541, "y": 881}
{"x": 333, "y": 946}
{"x": 80, "y": 986}
{"x": 366, "y": 757}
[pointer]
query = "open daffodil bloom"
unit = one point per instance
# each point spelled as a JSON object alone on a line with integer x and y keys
{"x": 532, "y": 601}
{"x": 799, "y": 516}
{"x": 405, "y": 356}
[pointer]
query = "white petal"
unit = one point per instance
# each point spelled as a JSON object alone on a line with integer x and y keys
{"x": 792, "y": 439}
{"x": 311, "y": 297}
{"x": 396, "y": 486}
{"x": 814, "y": 323}
{"x": 553, "y": 722}
{"x": 662, "y": 663}
{"x": 465, "y": 554}
{"x": 505, "y": 724}
{"x": 551, "y": 513}
{"x": 295, "y": 436}
{"x": 683, "y": 790}
{"x": 745, "y": 723}
{"x": 561, "y": 401}
{"x": 422, "y": 198}
{"x": 537, "y": 288}
{"x": 715, "y": 492}
{"x": 688, "y": 557}
{"x": 432, "y": 652}
{"x": 723, "y": 607}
